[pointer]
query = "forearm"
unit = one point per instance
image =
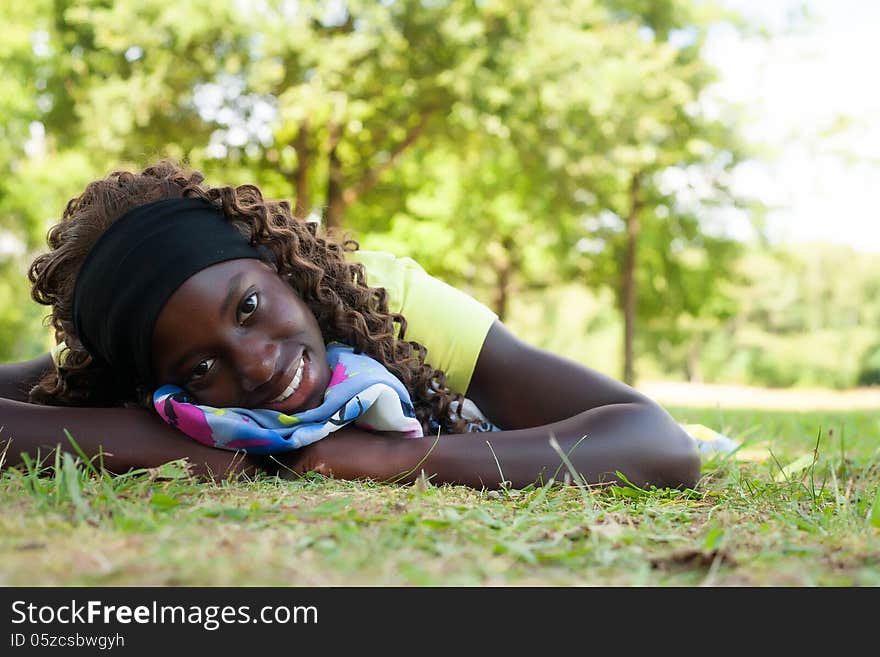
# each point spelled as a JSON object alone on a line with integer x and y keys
{"x": 639, "y": 440}
{"x": 16, "y": 379}
{"x": 126, "y": 438}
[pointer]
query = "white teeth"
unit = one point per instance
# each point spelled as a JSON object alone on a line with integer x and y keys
{"x": 293, "y": 385}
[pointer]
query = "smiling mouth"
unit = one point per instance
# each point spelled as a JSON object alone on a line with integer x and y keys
{"x": 294, "y": 384}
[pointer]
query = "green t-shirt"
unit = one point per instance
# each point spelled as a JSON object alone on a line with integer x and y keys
{"x": 449, "y": 323}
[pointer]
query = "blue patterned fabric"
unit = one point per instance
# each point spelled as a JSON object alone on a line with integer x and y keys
{"x": 361, "y": 391}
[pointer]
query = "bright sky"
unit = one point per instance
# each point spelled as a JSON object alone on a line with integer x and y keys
{"x": 796, "y": 88}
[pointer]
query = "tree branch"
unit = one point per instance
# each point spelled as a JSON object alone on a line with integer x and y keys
{"x": 371, "y": 177}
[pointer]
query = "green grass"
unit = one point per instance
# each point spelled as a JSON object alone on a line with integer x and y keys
{"x": 809, "y": 514}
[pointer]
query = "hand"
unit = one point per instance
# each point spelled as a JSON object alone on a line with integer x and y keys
{"x": 289, "y": 465}
{"x": 348, "y": 453}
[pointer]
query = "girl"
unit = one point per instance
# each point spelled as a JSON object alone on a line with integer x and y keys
{"x": 227, "y": 295}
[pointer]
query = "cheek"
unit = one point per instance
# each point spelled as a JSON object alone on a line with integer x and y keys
{"x": 290, "y": 321}
{"x": 293, "y": 314}
{"x": 220, "y": 394}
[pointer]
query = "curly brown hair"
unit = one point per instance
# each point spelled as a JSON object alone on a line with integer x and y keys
{"x": 347, "y": 309}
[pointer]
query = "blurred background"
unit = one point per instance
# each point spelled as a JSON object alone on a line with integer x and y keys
{"x": 679, "y": 193}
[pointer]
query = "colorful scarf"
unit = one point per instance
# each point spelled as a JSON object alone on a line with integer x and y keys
{"x": 361, "y": 391}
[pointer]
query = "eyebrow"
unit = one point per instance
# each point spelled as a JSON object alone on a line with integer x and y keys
{"x": 231, "y": 293}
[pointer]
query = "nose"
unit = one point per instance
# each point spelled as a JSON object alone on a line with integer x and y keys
{"x": 256, "y": 361}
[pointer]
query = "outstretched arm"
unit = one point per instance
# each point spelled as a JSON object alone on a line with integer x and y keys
{"x": 16, "y": 379}
{"x": 602, "y": 425}
{"x": 127, "y": 437}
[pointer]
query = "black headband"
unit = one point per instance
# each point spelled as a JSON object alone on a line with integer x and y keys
{"x": 135, "y": 267}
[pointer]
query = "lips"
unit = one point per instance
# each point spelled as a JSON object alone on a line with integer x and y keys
{"x": 299, "y": 383}
{"x": 293, "y": 385}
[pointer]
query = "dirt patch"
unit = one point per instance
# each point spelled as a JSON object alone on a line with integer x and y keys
{"x": 690, "y": 558}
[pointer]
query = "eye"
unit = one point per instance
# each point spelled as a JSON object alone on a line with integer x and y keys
{"x": 201, "y": 370}
{"x": 248, "y": 307}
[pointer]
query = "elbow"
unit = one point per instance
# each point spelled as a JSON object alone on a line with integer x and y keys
{"x": 664, "y": 454}
{"x": 677, "y": 461}
{"x": 644, "y": 443}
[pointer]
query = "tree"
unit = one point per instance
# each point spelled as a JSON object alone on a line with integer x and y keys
{"x": 550, "y": 131}
{"x": 588, "y": 151}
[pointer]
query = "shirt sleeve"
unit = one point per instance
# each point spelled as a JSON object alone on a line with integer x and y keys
{"x": 448, "y": 322}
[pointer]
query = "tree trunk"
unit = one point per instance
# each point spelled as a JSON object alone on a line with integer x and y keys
{"x": 694, "y": 369}
{"x": 502, "y": 291}
{"x": 371, "y": 176}
{"x": 335, "y": 207}
{"x": 504, "y": 277}
{"x": 301, "y": 176}
{"x": 629, "y": 296}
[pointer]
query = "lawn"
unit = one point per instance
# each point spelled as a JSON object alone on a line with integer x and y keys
{"x": 797, "y": 505}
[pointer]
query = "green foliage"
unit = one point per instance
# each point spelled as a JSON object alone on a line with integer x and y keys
{"x": 771, "y": 336}
{"x": 509, "y": 146}
{"x": 825, "y": 359}
{"x": 869, "y": 368}
{"x": 808, "y": 316}
{"x": 21, "y": 333}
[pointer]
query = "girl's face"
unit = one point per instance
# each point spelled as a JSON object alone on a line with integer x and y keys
{"x": 236, "y": 334}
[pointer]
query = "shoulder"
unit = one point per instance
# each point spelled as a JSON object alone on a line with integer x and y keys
{"x": 382, "y": 265}
{"x": 447, "y": 321}
{"x": 520, "y": 385}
